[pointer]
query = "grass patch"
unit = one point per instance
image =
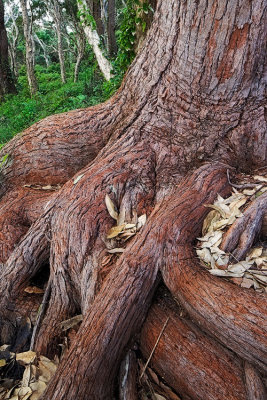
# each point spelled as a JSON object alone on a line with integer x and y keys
{"x": 20, "y": 111}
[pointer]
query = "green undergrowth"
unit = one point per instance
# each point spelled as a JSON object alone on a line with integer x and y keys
{"x": 20, "y": 111}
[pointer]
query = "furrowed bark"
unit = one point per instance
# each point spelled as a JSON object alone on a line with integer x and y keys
{"x": 128, "y": 377}
{"x": 235, "y": 316}
{"x": 179, "y": 107}
{"x": 19, "y": 210}
{"x": 192, "y": 363}
{"x": 254, "y": 385}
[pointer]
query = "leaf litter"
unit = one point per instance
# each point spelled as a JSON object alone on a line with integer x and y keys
{"x": 123, "y": 230}
{"x": 38, "y": 372}
{"x": 248, "y": 273}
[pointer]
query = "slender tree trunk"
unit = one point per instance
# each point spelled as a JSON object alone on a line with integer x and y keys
{"x": 95, "y": 8}
{"x": 94, "y": 40}
{"x": 56, "y": 14}
{"x": 72, "y": 10}
{"x": 6, "y": 81}
{"x": 27, "y": 27}
{"x": 14, "y": 41}
{"x": 191, "y": 106}
{"x": 112, "y": 45}
{"x": 43, "y": 46}
{"x": 80, "y": 55}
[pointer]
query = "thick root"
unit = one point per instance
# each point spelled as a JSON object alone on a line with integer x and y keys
{"x": 192, "y": 363}
{"x": 128, "y": 377}
{"x": 235, "y": 316}
{"x": 54, "y": 149}
{"x": 73, "y": 229}
{"x": 254, "y": 385}
{"x": 77, "y": 223}
{"x": 19, "y": 210}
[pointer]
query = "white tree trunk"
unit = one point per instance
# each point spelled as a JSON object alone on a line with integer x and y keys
{"x": 94, "y": 40}
{"x": 27, "y": 27}
{"x": 42, "y": 44}
{"x": 14, "y": 35}
{"x": 55, "y": 12}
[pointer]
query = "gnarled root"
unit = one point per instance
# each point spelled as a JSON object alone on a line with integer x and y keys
{"x": 77, "y": 222}
{"x": 19, "y": 209}
{"x": 235, "y": 316}
{"x": 73, "y": 230}
{"x": 120, "y": 305}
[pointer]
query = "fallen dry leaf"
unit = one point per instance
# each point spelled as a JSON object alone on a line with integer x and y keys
{"x": 115, "y": 231}
{"x": 2, "y": 363}
{"x": 141, "y": 221}
{"x": 33, "y": 290}
{"x": 224, "y": 213}
{"x": 116, "y": 250}
{"x": 260, "y": 178}
{"x": 111, "y": 208}
{"x": 25, "y": 358}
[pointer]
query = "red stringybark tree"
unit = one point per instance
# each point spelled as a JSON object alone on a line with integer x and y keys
{"x": 191, "y": 106}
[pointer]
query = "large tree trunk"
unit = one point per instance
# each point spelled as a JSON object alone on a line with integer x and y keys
{"x": 190, "y": 107}
{"x": 6, "y": 82}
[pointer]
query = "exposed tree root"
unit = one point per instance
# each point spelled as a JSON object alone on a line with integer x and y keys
{"x": 235, "y": 316}
{"x": 73, "y": 229}
{"x": 128, "y": 377}
{"x": 254, "y": 385}
{"x": 125, "y": 295}
{"x": 192, "y": 363}
{"x": 165, "y": 243}
{"x": 19, "y": 210}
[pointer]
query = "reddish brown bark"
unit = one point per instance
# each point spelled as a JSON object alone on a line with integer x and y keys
{"x": 128, "y": 377}
{"x": 194, "y": 364}
{"x": 195, "y": 94}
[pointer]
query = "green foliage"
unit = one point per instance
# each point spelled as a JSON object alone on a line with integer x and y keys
{"x": 85, "y": 15}
{"x": 126, "y": 36}
{"x": 20, "y": 111}
{"x": 130, "y": 16}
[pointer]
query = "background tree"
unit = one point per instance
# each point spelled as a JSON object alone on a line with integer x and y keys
{"x": 6, "y": 81}
{"x": 90, "y": 30}
{"x": 54, "y": 9}
{"x": 111, "y": 24}
{"x": 13, "y": 37}
{"x": 29, "y": 42}
{"x": 94, "y": 6}
{"x": 72, "y": 11}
